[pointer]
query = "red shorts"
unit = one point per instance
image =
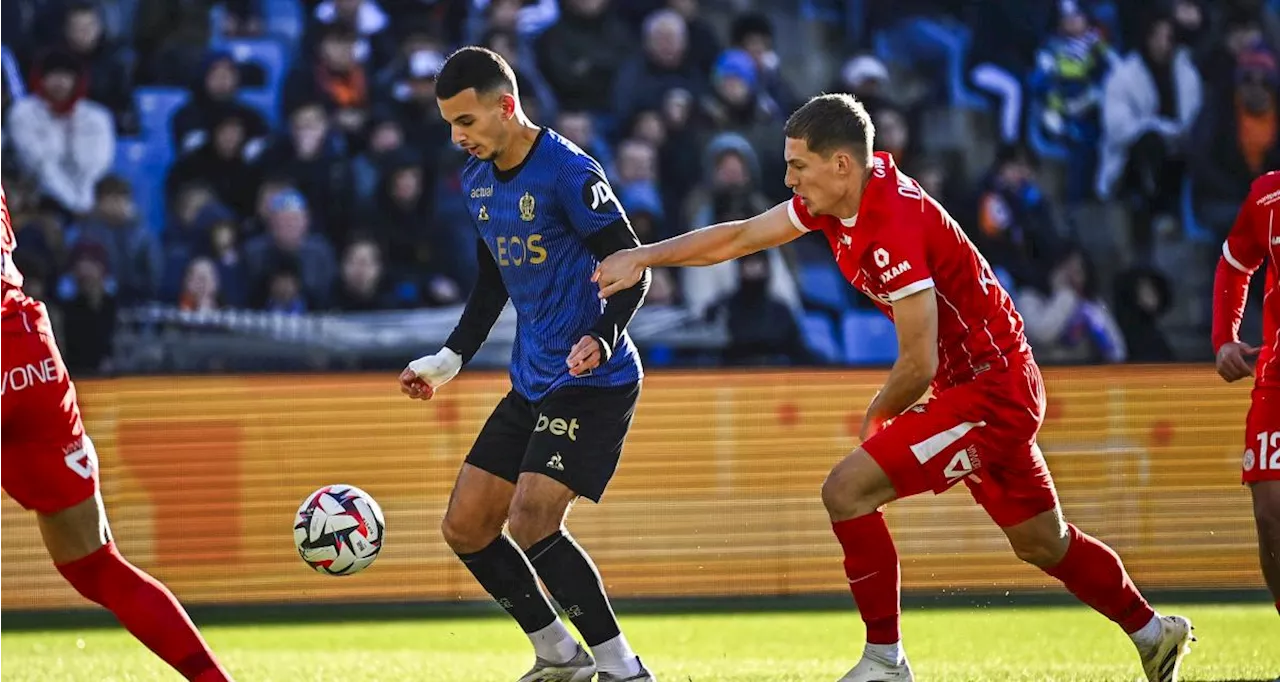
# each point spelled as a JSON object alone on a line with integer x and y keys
{"x": 1262, "y": 437}
{"x": 48, "y": 462}
{"x": 982, "y": 433}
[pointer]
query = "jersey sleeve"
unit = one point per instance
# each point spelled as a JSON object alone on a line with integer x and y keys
{"x": 897, "y": 258}
{"x": 1243, "y": 248}
{"x": 588, "y": 199}
{"x": 800, "y": 217}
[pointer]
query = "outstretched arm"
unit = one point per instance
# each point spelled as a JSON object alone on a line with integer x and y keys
{"x": 1242, "y": 255}
{"x": 707, "y": 246}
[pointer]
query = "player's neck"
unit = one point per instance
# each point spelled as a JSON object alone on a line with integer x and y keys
{"x": 526, "y": 133}
{"x": 848, "y": 208}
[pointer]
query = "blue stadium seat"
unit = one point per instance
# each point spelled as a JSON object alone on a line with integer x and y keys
{"x": 269, "y": 54}
{"x": 869, "y": 339}
{"x": 1190, "y": 223}
{"x": 156, "y": 107}
{"x": 138, "y": 162}
{"x": 284, "y": 20}
{"x": 821, "y": 284}
{"x": 264, "y": 102}
{"x": 820, "y": 336}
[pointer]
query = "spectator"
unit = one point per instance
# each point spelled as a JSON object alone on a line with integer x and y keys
{"x": 289, "y": 246}
{"x": 1236, "y": 140}
{"x": 1015, "y": 225}
{"x": 242, "y": 19}
{"x": 1240, "y": 31}
{"x": 66, "y": 141}
{"x": 644, "y": 208}
{"x": 679, "y": 159}
{"x": 753, "y": 33}
{"x": 224, "y": 252}
{"x": 171, "y": 37}
{"x": 200, "y": 287}
{"x": 419, "y": 249}
{"x": 130, "y": 248}
{"x": 762, "y": 329}
{"x": 89, "y": 317}
{"x": 867, "y": 78}
{"x": 1150, "y": 101}
{"x": 526, "y": 17}
{"x": 730, "y": 192}
{"x": 579, "y": 128}
{"x": 736, "y": 104}
{"x": 581, "y": 55}
{"x": 283, "y": 291}
{"x": 314, "y": 156}
{"x": 272, "y": 184}
{"x": 412, "y": 97}
{"x": 637, "y": 165}
{"x": 1071, "y": 69}
{"x": 1006, "y": 34}
{"x": 704, "y": 43}
{"x": 335, "y": 78}
{"x": 386, "y": 142}
{"x": 1142, "y": 298}
{"x": 192, "y": 241}
{"x": 109, "y": 68}
{"x": 184, "y": 209}
{"x": 893, "y": 135}
{"x": 374, "y": 45}
{"x": 213, "y": 97}
{"x": 222, "y": 163}
{"x": 665, "y": 65}
{"x": 362, "y": 285}
{"x": 1067, "y": 321}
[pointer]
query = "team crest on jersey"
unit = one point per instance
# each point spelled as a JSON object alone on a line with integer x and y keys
{"x": 1249, "y": 458}
{"x": 527, "y": 204}
{"x": 483, "y": 215}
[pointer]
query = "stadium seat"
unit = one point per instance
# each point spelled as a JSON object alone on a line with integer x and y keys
{"x": 1191, "y": 226}
{"x": 869, "y": 339}
{"x": 820, "y": 335}
{"x": 916, "y": 40}
{"x": 138, "y": 162}
{"x": 269, "y": 54}
{"x": 156, "y": 107}
{"x": 821, "y": 284}
{"x": 284, "y": 20}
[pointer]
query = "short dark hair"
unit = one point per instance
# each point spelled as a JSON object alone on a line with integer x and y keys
{"x": 474, "y": 67}
{"x": 830, "y": 122}
{"x": 748, "y": 25}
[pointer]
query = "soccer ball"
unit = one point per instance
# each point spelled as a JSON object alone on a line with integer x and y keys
{"x": 339, "y": 530}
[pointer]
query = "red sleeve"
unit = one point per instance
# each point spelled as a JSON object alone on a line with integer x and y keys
{"x": 1242, "y": 254}
{"x": 897, "y": 255}
{"x": 800, "y": 218}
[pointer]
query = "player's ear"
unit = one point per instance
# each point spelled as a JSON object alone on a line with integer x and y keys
{"x": 507, "y": 102}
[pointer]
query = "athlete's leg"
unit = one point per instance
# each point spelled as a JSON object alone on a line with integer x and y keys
{"x": 1266, "y": 513}
{"x": 472, "y": 527}
{"x": 79, "y": 541}
{"x": 574, "y": 453}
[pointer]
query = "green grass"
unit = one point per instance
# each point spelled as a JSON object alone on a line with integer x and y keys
{"x": 1051, "y": 643}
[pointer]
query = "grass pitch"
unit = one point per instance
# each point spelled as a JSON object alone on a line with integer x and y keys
{"x": 1237, "y": 643}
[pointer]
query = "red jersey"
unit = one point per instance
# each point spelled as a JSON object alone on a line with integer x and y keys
{"x": 10, "y": 277}
{"x": 902, "y": 242}
{"x": 1254, "y": 237}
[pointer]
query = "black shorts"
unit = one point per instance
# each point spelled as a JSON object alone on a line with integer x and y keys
{"x": 574, "y": 435}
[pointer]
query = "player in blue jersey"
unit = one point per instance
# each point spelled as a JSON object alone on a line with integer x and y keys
{"x": 545, "y": 215}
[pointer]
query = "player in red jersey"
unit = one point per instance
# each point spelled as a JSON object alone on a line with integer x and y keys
{"x": 1254, "y": 238}
{"x": 50, "y": 467}
{"x": 957, "y": 331}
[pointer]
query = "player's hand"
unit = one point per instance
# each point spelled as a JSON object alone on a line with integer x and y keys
{"x": 424, "y": 376}
{"x": 585, "y": 356}
{"x": 1233, "y": 364}
{"x": 619, "y": 271}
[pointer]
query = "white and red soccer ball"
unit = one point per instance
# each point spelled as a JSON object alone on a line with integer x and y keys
{"x": 339, "y": 530}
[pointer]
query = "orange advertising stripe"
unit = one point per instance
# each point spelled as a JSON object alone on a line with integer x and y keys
{"x": 717, "y": 493}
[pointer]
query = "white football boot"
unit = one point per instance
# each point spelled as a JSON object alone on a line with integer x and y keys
{"x": 643, "y": 676}
{"x": 871, "y": 670}
{"x": 580, "y": 668}
{"x": 1162, "y": 662}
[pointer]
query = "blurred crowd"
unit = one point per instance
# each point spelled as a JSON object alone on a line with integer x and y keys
{"x": 288, "y": 156}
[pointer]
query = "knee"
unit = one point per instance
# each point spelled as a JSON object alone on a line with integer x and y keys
{"x": 851, "y": 490}
{"x": 467, "y": 535}
{"x": 530, "y": 520}
{"x": 1044, "y": 550}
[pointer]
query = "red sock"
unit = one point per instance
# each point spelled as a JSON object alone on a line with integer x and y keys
{"x": 146, "y": 609}
{"x": 1096, "y": 576}
{"x": 875, "y": 579}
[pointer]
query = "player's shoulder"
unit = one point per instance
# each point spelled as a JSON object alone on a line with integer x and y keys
{"x": 891, "y": 197}
{"x": 566, "y": 155}
{"x": 1265, "y": 190}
